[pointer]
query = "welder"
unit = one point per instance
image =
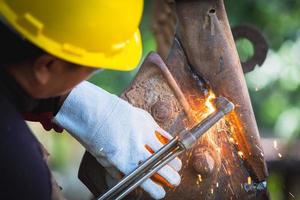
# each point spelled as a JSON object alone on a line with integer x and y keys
{"x": 47, "y": 49}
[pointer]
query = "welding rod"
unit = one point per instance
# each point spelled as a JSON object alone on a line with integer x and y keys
{"x": 167, "y": 153}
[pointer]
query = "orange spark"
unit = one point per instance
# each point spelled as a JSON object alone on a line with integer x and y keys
{"x": 249, "y": 180}
{"x": 208, "y": 103}
{"x": 199, "y": 178}
{"x": 241, "y": 154}
{"x": 275, "y": 144}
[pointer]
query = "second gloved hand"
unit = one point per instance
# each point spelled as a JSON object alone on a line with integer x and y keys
{"x": 112, "y": 129}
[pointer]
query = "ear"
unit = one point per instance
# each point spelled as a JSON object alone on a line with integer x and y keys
{"x": 42, "y": 68}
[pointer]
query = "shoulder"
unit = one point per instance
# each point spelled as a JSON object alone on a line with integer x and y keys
{"x": 10, "y": 120}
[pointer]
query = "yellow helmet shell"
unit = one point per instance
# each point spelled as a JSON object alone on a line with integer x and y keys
{"x": 92, "y": 33}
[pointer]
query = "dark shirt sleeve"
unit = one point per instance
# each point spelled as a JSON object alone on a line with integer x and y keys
{"x": 23, "y": 172}
{"x": 47, "y": 105}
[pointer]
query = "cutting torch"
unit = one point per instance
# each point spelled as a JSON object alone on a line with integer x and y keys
{"x": 185, "y": 140}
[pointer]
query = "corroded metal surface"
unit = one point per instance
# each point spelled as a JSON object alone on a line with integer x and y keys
{"x": 227, "y": 162}
{"x": 163, "y": 25}
{"x": 211, "y": 51}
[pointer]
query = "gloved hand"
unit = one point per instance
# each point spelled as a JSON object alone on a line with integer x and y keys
{"x": 110, "y": 128}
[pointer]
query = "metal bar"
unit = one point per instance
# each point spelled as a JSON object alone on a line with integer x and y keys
{"x": 223, "y": 107}
{"x": 157, "y": 61}
{"x": 150, "y": 173}
{"x": 188, "y": 138}
{"x": 119, "y": 186}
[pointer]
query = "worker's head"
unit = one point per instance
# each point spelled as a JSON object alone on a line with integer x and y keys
{"x": 59, "y": 43}
{"x": 41, "y": 74}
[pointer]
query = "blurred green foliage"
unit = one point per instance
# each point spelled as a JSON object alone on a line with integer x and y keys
{"x": 245, "y": 49}
{"x": 274, "y": 87}
{"x": 279, "y": 20}
{"x": 275, "y": 92}
{"x": 275, "y": 185}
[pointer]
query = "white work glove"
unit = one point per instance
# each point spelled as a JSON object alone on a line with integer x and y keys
{"x": 110, "y": 128}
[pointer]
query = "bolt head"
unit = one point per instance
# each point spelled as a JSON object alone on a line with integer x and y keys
{"x": 162, "y": 111}
{"x": 203, "y": 162}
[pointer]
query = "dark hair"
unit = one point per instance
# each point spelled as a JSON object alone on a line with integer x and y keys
{"x": 14, "y": 48}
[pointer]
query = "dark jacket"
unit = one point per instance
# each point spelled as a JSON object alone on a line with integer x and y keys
{"x": 23, "y": 172}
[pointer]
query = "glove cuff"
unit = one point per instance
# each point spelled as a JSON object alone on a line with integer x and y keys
{"x": 85, "y": 109}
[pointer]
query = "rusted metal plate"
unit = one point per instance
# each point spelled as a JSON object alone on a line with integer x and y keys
{"x": 227, "y": 162}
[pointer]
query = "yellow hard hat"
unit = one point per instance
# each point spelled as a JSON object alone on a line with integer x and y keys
{"x": 93, "y": 33}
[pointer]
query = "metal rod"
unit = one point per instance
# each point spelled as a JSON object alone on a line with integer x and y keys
{"x": 149, "y": 174}
{"x": 142, "y": 167}
{"x": 157, "y": 61}
{"x": 207, "y": 123}
{"x": 189, "y": 138}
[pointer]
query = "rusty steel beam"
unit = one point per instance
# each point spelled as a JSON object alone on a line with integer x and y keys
{"x": 227, "y": 162}
{"x": 207, "y": 40}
